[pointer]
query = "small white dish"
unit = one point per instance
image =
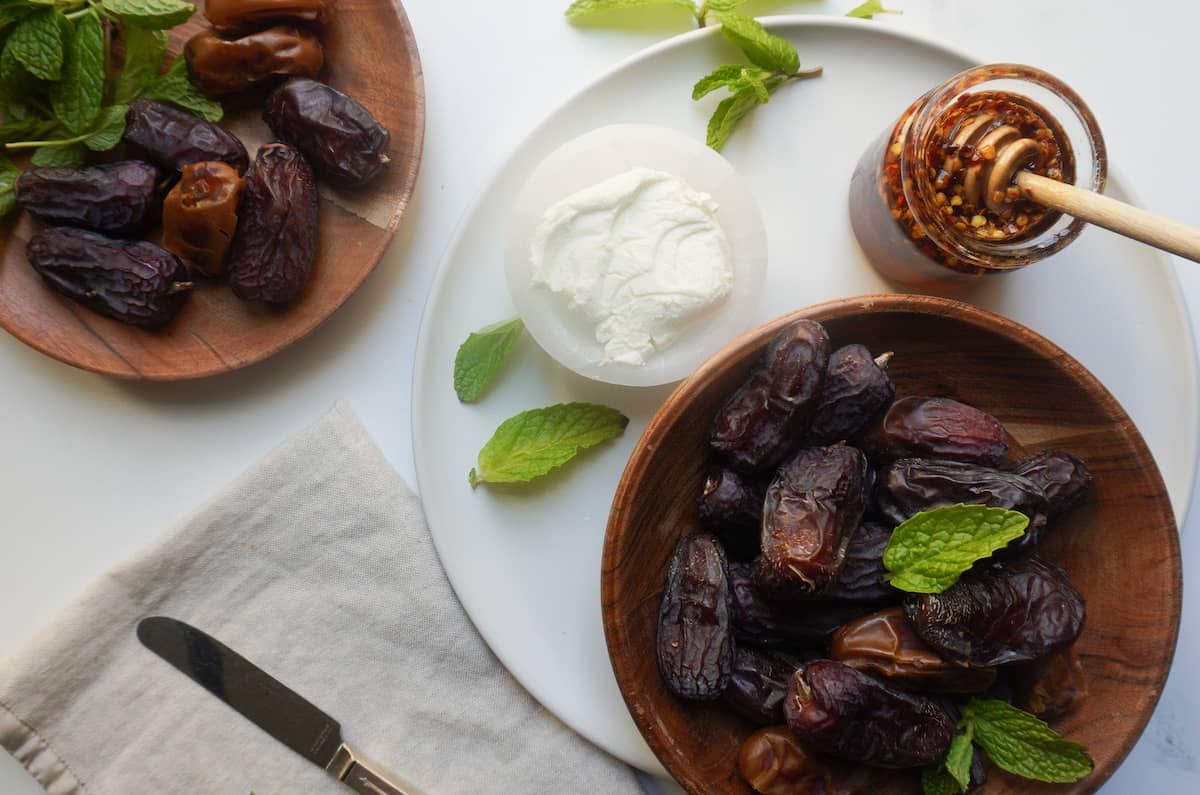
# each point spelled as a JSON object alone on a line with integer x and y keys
{"x": 568, "y": 335}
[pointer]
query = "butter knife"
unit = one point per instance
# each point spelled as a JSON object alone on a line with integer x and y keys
{"x": 266, "y": 702}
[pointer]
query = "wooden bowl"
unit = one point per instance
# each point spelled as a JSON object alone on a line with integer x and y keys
{"x": 1120, "y": 547}
{"x": 370, "y": 53}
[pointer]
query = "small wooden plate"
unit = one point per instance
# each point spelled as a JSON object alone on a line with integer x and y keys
{"x": 371, "y": 54}
{"x": 1120, "y": 547}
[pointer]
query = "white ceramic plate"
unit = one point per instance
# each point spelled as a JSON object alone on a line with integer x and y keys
{"x": 526, "y": 562}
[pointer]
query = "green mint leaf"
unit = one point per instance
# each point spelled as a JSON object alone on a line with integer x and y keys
{"x": 27, "y": 129}
{"x": 869, "y": 9}
{"x": 936, "y": 780}
{"x": 762, "y": 48}
{"x": 12, "y": 12}
{"x": 1020, "y": 743}
{"x": 76, "y": 97}
{"x": 153, "y": 14}
{"x": 728, "y": 113}
{"x": 536, "y": 441}
{"x": 733, "y": 76}
{"x": 929, "y": 550}
{"x": 110, "y": 126}
{"x": 36, "y": 43}
{"x": 479, "y": 358}
{"x": 582, "y": 8}
{"x": 8, "y": 178}
{"x": 958, "y": 760}
{"x": 70, "y": 156}
{"x": 144, "y": 51}
{"x": 724, "y": 6}
{"x": 176, "y": 87}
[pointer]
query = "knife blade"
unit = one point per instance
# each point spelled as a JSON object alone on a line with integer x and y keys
{"x": 266, "y": 702}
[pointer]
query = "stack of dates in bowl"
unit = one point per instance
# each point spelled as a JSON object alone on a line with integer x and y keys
{"x": 793, "y": 604}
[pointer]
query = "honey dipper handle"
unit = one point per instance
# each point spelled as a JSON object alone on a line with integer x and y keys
{"x": 1119, "y": 217}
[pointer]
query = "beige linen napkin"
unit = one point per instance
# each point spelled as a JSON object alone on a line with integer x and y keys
{"x": 317, "y": 566}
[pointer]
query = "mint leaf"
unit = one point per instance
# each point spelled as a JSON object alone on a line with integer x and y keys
{"x": 724, "y": 6}
{"x": 929, "y": 550}
{"x": 733, "y": 76}
{"x": 144, "y": 51}
{"x": 958, "y": 760}
{"x": 36, "y": 43}
{"x": 479, "y": 358}
{"x": 76, "y": 97}
{"x": 25, "y": 129}
{"x": 762, "y": 48}
{"x": 110, "y": 126}
{"x": 153, "y": 14}
{"x": 70, "y": 156}
{"x": 536, "y": 441}
{"x": 1020, "y": 743}
{"x": 728, "y": 113}
{"x": 176, "y": 87}
{"x": 584, "y": 7}
{"x": 936, "y": 780}
{"x": 12, "y": 12}
{"x": 869, "y": 9}
{"x": 8, "y": 178}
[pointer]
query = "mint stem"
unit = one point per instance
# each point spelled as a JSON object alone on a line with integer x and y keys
{"x": 806, "y": 74}
{"x": 702, "y": 14}
{"x": 35, "y": 144}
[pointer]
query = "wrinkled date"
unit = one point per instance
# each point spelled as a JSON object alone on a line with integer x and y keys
{"x": 773, "y": 762}
{"x": 858, "y": 718}
{"x": 695, "y": 637}
{"x": 1053, "y": 686}
{"x": 732, "y": 508}
{"x": 812, "y": 510}
{"x": 758, "y": 683}
{"x": 796, "y": 626}
{"x": 930, "y": 427}
{"x": 885, "y": 644}
{"x": 118, "y": 198}
{"x": 856, "y": 389}
{"x": 1007, "y": 612}
{"x": 1062, "y": 477}
{"x": 134, "y": 282}
{"x": 228, "y": 63}
{"x": 911, "y": 485}
{"x": 276, "y": 237}
{"x": 172, "y": 138}
{"x": 764, "y": 419}
{"x": 200, "y": 215}
{"x": 246, "y": 13}
{"x": 860, "y": 579}
{"x": 342, "y": 140}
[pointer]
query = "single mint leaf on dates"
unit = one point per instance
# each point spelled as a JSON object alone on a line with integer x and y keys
{"x": 174, "y": 86}
{"x": 36, "y": 43}
{"x": 584, "y": 7}
{"x": 728, "y": 113}
{"x": 153, "y": 14}
{"x": 8, "y": 178}
{"x": 929, "y": 550}
{"x": 869, "y": 9}
{"x": 144, "y": 51}
{"x": 70, "y": 156}
{"x": 480, "y": 357}
{"x": 936, "y": 780}
{"x": 958, "y": 759}
{"x": 1020, "y": 743}
{"x": 109, "y": 128}
{"x": 534, "y": 442}
{"x": 77, "y": 95}
{"x": 764, "y": 49}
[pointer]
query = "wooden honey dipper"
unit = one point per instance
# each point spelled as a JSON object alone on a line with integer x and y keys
{"x": 986, "y": 182}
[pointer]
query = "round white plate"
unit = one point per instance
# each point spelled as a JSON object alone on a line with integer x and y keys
{"x": 526, "y": 561}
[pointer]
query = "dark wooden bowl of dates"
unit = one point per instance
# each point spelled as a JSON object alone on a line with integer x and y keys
{"x": 224, "y": 292}
{"x": 759, "y": 603}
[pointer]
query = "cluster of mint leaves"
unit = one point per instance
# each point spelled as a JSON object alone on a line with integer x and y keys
{"x": 534, "y": 442}
{"x": 773, "y": 59}
{"x": 64, "y": 90}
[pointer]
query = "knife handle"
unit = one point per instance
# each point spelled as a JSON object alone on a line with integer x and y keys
{"x": 364, "y": 776}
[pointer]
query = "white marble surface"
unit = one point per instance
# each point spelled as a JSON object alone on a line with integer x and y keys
{"x": 93, "y": 468}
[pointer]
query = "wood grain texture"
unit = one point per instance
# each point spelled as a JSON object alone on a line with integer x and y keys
{"x": 371, "y": 54}
{"x": 1121, "y": 547}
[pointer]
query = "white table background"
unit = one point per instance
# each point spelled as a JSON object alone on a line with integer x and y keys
{"x": 91, "y": 469}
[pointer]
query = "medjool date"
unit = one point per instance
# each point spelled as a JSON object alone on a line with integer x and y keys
{"x": 1006, "y": 612}
{"x": 732, "y": 508}
{"x": 695, "y": 637}
{"x": 118, "y": 198}
{"x": 932, "y": 427}
{"x": 1062, "y": 477}
{"x": 855, "y": 390}
{"x": 172, "y": 138}
{"x": 246, "y": 13}
{"x": 911, "y": 485}
{"x": 1052, "y": 686}
{"x": 134, "y": 282}
{"x": 228, "y": 63}
{"x": 773, "y": 762}
{"x": 339, "y": 137}
{"x": 856, "y": 717}
{"x": 886, "y": 645}
{"x": 860, "y": 579}
{"x": 200, "y": 215}
{"x": 812, "y": 509}
{"x": 766, "y": 417}
{"x": 276, "y": 237}
{"x": 757, "y": 684}
{"x": 793, "y": 626}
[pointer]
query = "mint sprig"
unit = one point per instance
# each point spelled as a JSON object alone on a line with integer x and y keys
{"x": 869, "y": 9}
{"x": 537, "y": 441}
{"x": 480, "y": 357}
{"x": 929, "y": 550}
